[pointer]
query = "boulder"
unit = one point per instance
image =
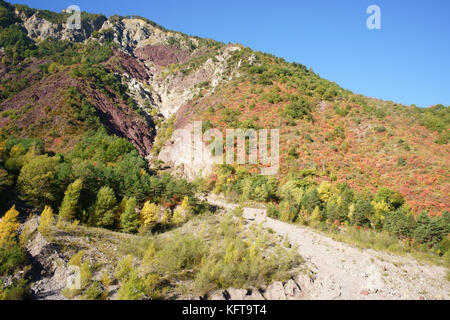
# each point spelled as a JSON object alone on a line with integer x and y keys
{"x": 275, "y": 292}
{"x": 305, "y": 283}
{"x": 292, "y": 290}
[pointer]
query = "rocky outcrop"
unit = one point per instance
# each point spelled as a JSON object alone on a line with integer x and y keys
{"x": 130, "y": 34}
{"x": 162, "y": 55}
{"x": 49, "y": 269}
{"x": 41, "y": 29}
{"x": 186, "y": 158}
{"x": 126, "y": 123}
{"x": 176, "y": 89}
{"x": 293, "y": 289}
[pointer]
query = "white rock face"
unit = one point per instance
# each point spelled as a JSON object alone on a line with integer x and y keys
{"x": 177, "y": 89}
{"x": 132, "y": 34}
{"x": 185, "y": 156}
{"x": 40, "y": 29}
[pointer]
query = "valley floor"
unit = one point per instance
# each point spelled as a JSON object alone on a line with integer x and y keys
{"x": 342, "y": 271}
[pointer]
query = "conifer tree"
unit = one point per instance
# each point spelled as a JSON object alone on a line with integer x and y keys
{"x": 105, "y": 208}
{"x": 46, "y": 222}
{"x": 69, "y": 205}
{"x": 9, "y": 226}
{"x": 166, "y": 217}
{"x": 129, "y": 219}
{"x": 181, "y": 214}
{"x": 316, "y": 216}
{"x": 149, "y": 216}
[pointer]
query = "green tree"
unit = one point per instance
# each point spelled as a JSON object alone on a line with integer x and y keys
{"x": 69, "y": 205}
{"x": 400, "y": 223}
{"x": 310, "y": 200}
{"x": 298, "y": 109}
{"x": 46, "y": 221}
{"x": 362, "y": 212}
{"x": 105, "y": 208}
{"x": 129, "y": 219}
{"x": 431, "y": 230}
{"x": 392, "y": 198}
{"x": 37, "y": 181}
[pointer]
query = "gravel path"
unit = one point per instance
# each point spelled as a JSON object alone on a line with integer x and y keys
{"x": 346, "y": 272}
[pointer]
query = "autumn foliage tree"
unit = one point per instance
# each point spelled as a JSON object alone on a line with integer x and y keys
{"x": 9, "y": 226}
{"x": 149, "y": 216}
{"x": 105, "y": 208}
{"x": 38, "y": 182}
{"x": 182, "y": 213}
{"x": 46, "y": 221}
{"x": 129, "y": 219}
{"x": 69, "y": 205}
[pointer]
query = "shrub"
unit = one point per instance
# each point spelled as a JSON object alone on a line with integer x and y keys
{"x": 12, "y": 257}
{"x": 124, "y": 268}
{"x": 94, "y": 292}
{"x": 182, "y": 213}
{"x": 298, "y": 109}
{"x": 131, "y": 288}
{"x": 18, "y": 290}
{"x": 272, "y": 211}
{"x": 76, "y": 259}
{"x": 181, "y": 252}
{"x": 316, "y": 217}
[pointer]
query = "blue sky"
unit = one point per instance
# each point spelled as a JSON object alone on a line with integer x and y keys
{"x": 407, "y": 61}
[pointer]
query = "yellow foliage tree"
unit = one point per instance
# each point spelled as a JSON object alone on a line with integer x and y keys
{"x": 9, "y": 226}
{"x": 286, "y": 213}
{"x": 149, "y": 216}
{"x": 166, "y": 217}
{"x": 351, "y": 210}
{"x": 324, "y": 191}
{"x": 2, "y": 145}
{"x": 182, "y": 213}
{"x": 381, "y": 209}
{"x": 316, "y": 216}
{"x": 46, "y": 222}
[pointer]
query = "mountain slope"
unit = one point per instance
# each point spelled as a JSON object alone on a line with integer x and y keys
{"x": 340, "y": 136}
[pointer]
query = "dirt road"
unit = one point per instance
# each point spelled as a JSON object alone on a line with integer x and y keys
{"x": 346, "y": 272}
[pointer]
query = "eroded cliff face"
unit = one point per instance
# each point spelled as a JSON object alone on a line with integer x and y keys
{"x": 187, "y": 157}
{"x": 41, "y": 29}
{"x": 49, "y": 114}
{"x": 163, "y": 70}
